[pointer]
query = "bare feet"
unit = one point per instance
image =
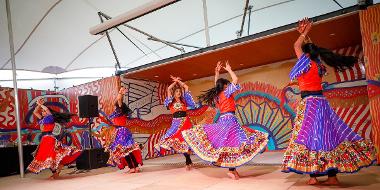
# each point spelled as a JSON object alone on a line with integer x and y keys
{"x": 236, "y": 174}
{"x": 313, "y": 181}
{"x": 56, "y": 172}
{"x": 137, "y": 170}
{"x": 189, "y": 167}
{"x": 331, "y": 181}
{"x": 59, "y": 169}
{"x": 54, "y": 176}
{"x": 131, "y": 171}
{"x": 233, "y": 175}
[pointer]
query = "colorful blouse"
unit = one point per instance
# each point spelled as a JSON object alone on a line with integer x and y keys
{"x": 118, "y": 117}
{"x": 226, "y": 101}
{"x": 180, "y": 106}
{"x": 47, "y": 123}
{"x": 308, "y": 73}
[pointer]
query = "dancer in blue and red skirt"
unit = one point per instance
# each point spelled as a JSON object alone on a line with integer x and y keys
{"x": 123, "y": 146}
{"x": 321, "y": 143}
{"x": 178, "y": 102}
{"x": 51, "y": 153}
{"x": 224, "y": 143}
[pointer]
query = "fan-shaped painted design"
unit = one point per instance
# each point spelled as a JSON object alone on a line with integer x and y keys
{"x": 261, "y": 111}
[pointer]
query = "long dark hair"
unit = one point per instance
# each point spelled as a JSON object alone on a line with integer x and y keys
{"x": 180, "y": 98}
{"x": 209, "y": 96}
{"x": 61, "y": 117}
{"x": 123, "y": 109}
{"x": 338, "y": 62}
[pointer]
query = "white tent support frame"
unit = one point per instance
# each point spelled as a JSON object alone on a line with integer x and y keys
{"x": 150, "y": 37}
{"x": 13, "y": 60}
{"x": 146, "y": 34}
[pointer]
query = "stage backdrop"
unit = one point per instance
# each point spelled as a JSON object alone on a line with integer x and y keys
{"x": 370, "y": 29}
{"x": 65, "y": 101}
{"x": 30, "y": 130}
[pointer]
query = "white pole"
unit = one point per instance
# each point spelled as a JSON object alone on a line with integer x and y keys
{"x": 206, "y": 23}
{"x": 11, "y": 47}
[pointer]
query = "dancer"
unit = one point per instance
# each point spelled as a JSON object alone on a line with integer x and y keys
{"x": 122, "y": 144}
{"x": 51, "y": 152}
{"x": 178, "y": 103}
{"x": 321, "y": 142}
{"x": 224, "y": 143}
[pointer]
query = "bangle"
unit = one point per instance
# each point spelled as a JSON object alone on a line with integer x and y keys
{"x": 303, "y": 35}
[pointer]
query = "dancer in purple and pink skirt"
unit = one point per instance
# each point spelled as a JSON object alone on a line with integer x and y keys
{"x": 224, "y": 143}
{"x": 321, "y": 143}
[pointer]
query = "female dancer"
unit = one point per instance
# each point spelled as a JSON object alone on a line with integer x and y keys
{"x": 122, "y": 144}
{"x": 178, "y": 104}
{"x": 51, "y": 152}
{"x": 321, "y": 142}
{"x": 224, "y": 143}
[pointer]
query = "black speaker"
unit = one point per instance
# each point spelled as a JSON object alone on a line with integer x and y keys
{"x": 92, "y": 159}
{"x": 10, "y": 159}
{"x": 88, "y": 106}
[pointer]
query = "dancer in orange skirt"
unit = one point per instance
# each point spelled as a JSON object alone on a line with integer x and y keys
{"x": 178, "y": 101}
{"x": 51, "y": 153}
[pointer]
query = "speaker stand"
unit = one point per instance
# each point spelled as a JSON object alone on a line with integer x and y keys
{"x": 89, "y": 124}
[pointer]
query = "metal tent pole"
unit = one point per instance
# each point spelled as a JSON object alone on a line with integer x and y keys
{"x": 205, "y": 18}
{"x": 11, "y": 47}
{"x": 240, "y": 32}
{"x": 117, "y": 65}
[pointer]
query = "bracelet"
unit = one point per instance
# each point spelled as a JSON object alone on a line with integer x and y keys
{"x": 303, "y": 35}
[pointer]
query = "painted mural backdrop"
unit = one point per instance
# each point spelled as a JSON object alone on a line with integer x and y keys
{"x": 65, "y": 101}
{"x": 106, "y": 90}
{"x": 370, "y": 30}
{"x": 30, "y": 128}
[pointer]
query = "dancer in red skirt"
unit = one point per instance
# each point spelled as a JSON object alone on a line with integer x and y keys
{"x": 51, "y": 153}
{"x": 178, "y": 103}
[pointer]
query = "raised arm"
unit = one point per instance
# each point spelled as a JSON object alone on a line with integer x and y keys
{"x": 217, "y": 70}
{"x": 40, "y": 105}
{"x": 232, "y": 73}
{"x": 36, "y": 112}
{"x": 303, "y": 28}
{"x": 120, "y": 96}
{"x": 46, "y": 109}
{"x": 170, "y": 87}
{"x": 182, "y": 84}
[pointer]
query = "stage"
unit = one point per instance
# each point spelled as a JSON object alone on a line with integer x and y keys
{"x": 169, "y": 173}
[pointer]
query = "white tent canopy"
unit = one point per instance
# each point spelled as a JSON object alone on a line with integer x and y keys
{"x": 53, "y": 43}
